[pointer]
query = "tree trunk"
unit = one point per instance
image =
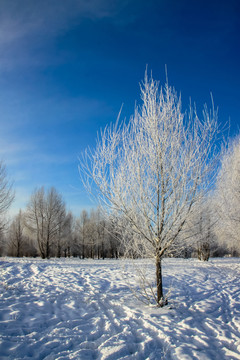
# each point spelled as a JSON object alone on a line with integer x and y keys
{"x": 59, "y": 251}
{"x": 103, "y": 255}
{"x": 83, "y": 250}
{"x": 58, "y": 248}
{"x": 47, "y": 250}
{"x": 160, "y": 300}
{"x": 18, "y": 248}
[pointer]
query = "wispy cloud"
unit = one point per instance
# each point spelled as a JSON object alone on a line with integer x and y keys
{"x": 18, "y": 152}
{"x": 40, "y": 124}
{"x": 24, "y": 18}
{"x": 24, "y": 24}
{"x": 12, "y": 151}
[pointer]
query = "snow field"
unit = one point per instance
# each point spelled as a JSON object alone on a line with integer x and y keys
{"x": 83, "y": 309}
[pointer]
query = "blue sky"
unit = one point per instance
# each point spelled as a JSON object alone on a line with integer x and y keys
{"x": 66, "y": 68}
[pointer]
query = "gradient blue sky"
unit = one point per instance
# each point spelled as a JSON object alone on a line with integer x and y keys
{"x": 67, "y": 66}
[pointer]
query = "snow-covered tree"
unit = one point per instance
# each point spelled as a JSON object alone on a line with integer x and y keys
{"x": 228, "y": 198}
{"x": 152, "y": 170}
{"x": 199, "y": 229}
{"x": 94, "y": 235}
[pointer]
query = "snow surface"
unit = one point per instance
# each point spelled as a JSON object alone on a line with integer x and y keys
{"x": 83, "y": 309}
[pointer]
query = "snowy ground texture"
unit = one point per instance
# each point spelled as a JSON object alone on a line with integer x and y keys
{"x": 83, "y": 309}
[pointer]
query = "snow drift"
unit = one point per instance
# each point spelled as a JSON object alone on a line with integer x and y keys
{"x": 83, "y": 309}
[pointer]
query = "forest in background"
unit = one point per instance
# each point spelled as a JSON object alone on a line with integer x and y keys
{"x": 166, "y": 182}
{"x": 46, "y": 229}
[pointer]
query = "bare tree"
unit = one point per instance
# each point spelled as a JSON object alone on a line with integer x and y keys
{"x": 61, "y": 229}
{"x": 68, "y": 234}
{"x": 2, "y": 242}
{"x": 19, "y": 244}
{"x": 16, "y": 235}
{"x": 117, "y": 230}
{"x": 153, "y": 170}
{"x": 6, "y": 192}
{"x": 92, "y": 233}
{"x": 81, "y": 229}
{"x": 227, "y": 198}
{"x": 44, "y": 217}
{"x": 102, "y": 235}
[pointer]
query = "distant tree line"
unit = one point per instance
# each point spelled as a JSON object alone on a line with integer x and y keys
{"x": 166, "y": 188}
{"x": 46, "y": 229}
